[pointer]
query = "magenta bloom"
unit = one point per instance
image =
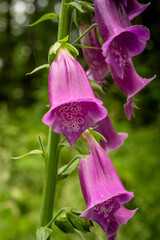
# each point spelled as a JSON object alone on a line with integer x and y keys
{"x": 122, "y": 42}
{"x": 73, "y": 105}
{"x": 94, "y": 58}
{"x": 114, "y": 139}
{"x": 103, "y": 191}
{"x": 133, "y": 8}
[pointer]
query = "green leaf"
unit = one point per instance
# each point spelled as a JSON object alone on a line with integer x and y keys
{"x": 87, "y": 6}
{"x": 77, "y": 6}
{"x": 43, "y": 233}
{"x": 45, "y": 17}
{"x": 96, "y": 135}
{"x": 33, "y": 152}
{"x": 67, "y": 169}
{"x": 96, "y": 88}
{"x": 39, "y": 68}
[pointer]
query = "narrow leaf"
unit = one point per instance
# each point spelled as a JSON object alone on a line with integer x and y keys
{"x": 39, "y": 68}
{"x": 45, "y": 17}
{"x": 97, "y": 135}
{"x": 83, "y": 46}
{"x": 33, "y": 152}
{"x": 67, "y": 169}
{"x": 43, "y": 233}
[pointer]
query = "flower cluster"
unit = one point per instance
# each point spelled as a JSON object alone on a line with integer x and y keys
{"x": 122, "y": 41}
{"x": 74, "y": 107}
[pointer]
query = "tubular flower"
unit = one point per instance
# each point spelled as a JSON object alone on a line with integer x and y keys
{"x": 122, "y": 42}
{"x": 114, "y": 139}
{"x": 94, "y": 58}
{"x": 133, "y": 8}
{"x": 103, "y": 191}
{"x": 73, "y": 105}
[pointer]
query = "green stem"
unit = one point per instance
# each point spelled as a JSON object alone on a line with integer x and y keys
{"x": 65, "y": 20}
{"x": 88, "y": 29}
{"x": 49, "y": 187}
{"x": 51, "y": 167}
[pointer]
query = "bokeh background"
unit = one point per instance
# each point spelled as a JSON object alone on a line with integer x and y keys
{"x": 23, "y": 101}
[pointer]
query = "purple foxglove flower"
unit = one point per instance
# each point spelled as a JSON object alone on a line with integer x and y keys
{"x": 130, "y": 84}
{"x": 122, "y": 42}
{"x": 111, "y": 18}
{"x": 114, "y": 139}
{"x": 73, "y": 105}
{"x": 133, "y": 8}
{"x": 103, "y": 191}
{"x": 94, "y": 58}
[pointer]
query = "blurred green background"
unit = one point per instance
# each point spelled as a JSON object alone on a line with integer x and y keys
{"x": 23, "y": 101}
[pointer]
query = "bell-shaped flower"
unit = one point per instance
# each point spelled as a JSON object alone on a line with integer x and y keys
{"x": 73, "y": 105}
{"x": 94, "y": 58}
{"x": 113, "y": 139}
{"x": 130, "y": 84}
{"x": 133, "y": 8}
{"x": 122, "y": 42}
{"x": 103, "y": 190}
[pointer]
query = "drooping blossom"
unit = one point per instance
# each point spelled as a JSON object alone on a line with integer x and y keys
{"x": 103, "y": 190}
{"x": 133, "y": 8}
{"x": 73, "y": 105}
{"x": 122, "y": 42}
{"x": 94, "y": 58}
{"x": 114, "y": 139}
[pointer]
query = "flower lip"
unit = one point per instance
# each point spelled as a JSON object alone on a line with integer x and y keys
{"x": 71, "y": 118}
{"x": 119, "y": 198}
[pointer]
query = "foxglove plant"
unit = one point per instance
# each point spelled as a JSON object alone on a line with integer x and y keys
{"x": 74, "y": 108}
{"x": 103, "y": 191}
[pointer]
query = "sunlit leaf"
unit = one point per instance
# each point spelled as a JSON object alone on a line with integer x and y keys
{"x": 45, "y": 17}
{"x": 33, "y": 152}
{"x": 97, "y": 135}
{"x": 39, "y": 68}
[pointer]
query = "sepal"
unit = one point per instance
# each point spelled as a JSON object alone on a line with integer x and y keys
{"x": 53, "y": 51}
{"x": 63, "y": 224}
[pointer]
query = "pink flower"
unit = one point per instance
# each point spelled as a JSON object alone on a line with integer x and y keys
{"x": 73, "y": 105}
{"x": 114, "y": 139}
{"x": 103, "y": 190}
